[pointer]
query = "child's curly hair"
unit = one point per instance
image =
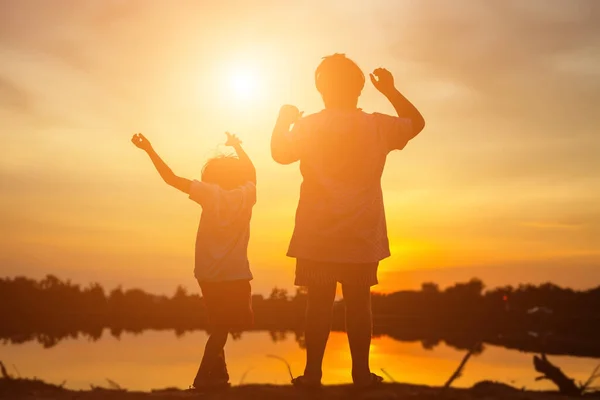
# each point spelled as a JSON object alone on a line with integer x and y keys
{"x": 339, "y": 79}
{"x": 226, "y": 171}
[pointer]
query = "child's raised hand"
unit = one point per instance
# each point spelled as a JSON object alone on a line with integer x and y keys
{"x": 383, "y": 80}
{"x": 232, "y": 140}
{"x": 141, "y": 142}
{"x": 289, "y": 114}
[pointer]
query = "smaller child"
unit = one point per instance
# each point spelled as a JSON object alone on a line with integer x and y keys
{"x": 227, "y": 193}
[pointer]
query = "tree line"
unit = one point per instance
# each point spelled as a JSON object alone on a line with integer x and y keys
{"x": 51, "y": 309}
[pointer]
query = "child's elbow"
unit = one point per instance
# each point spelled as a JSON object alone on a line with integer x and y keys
{"x": 278, "y": 159}
{"x": 170, "y": 179}
{"x": 281, "y": 157}
{"x": 418, "y": 125}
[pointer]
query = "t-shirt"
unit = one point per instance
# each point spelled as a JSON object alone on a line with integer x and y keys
{"x": 340, "y": 215}
{"x": 223, "y": 232}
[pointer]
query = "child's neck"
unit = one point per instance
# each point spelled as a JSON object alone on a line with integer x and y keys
{"x": 348, "y": 105}
{"x": 339, "y": 107}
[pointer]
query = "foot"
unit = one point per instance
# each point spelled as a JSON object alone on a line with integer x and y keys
{"x": 213, "y": 381}
{"x": 369, "y": 382}
{"x": 212, "y": 385}
{"x": 305, "y": 382}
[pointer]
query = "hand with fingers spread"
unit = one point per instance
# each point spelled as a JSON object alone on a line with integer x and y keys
{"x": 383, "y": 80}
{"x": 289, "y": 114}
{"x": 141, "y": 142}
{"x": 232, "y": 140}
{"x": 236, "y": 143}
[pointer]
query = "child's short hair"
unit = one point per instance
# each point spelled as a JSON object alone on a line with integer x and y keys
{"x": 339, "y": 79}
{"x": 226, "y": 171}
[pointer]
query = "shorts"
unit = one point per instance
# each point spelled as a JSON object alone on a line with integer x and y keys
{"x": 310, "y": 273}
{"x": 228, "y": 304}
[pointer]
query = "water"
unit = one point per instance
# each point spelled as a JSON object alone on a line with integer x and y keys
{"x": 159, "y": 359}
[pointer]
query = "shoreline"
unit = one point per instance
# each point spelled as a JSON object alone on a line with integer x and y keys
{"x": 30, "y": 389}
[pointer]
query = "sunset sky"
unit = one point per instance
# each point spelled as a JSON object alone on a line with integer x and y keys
{"x": 503, "y": 183}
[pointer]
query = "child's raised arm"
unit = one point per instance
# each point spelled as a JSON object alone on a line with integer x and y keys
{"x": 163, "y": 169}
{"x": 383, "y": 81}
{"x": 236, "y": 143}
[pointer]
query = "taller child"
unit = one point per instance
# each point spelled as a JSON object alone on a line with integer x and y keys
{"x": 340, "y": 233}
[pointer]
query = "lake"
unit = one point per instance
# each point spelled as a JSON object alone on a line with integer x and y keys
{"x": 159, "y": 359}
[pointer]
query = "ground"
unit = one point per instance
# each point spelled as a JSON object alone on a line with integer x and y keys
{"x": 27, "y": 389}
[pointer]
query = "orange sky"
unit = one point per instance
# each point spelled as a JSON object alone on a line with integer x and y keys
{"x": 504, "y": 182}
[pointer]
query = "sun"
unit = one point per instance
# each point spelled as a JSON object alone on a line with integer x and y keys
{"x": 244, "y": 83}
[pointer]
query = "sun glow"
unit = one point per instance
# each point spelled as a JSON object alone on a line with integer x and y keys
{"x": 244, "y": 83}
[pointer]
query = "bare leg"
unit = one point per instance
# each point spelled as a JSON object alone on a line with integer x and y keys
{"x": 318, "y": 325}
{"x": 213, "y": 351}
{"x": 219, "y": 369}
{"x": 359, "y": 325}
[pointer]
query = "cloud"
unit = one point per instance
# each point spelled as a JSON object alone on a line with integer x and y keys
{"x": 13, "y": 96}
{"x": 497, "y": 37}
{"x": 20, "y": 107}
{"x": 511, "y": 54}
{"x": 551, "y": 225}
{"x": 512, "y": 91}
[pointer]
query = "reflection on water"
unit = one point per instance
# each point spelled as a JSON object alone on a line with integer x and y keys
{"x": 157, "y": 359}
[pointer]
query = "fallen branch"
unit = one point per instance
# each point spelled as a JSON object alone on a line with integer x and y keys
{"x": 588, "y": 384}
{"x": 551, "y": 372}
{"x": 390, "y": 377}
{"x": 458, "y": 373}
{"x": 114, "y": 385}
{"x": 4, "y": 372}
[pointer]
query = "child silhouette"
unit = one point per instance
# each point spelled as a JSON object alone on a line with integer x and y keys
{"x": 227, "y": 193}
{"x": 340, "y": 233}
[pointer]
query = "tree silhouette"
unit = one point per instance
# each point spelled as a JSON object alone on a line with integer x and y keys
{"x": 50, "y": 310}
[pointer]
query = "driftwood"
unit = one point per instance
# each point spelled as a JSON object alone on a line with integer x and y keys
{"x": 390, "y": 377}
{"x": 4, "y": 372}
{"x": 458, "y": 373}
{"x": 588, "y": 384}
{"x": 552, "y": 373}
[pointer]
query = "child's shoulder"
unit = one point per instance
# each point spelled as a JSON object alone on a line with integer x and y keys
{"x": 312, "y": 118}
{"x": 326, "y": 115}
